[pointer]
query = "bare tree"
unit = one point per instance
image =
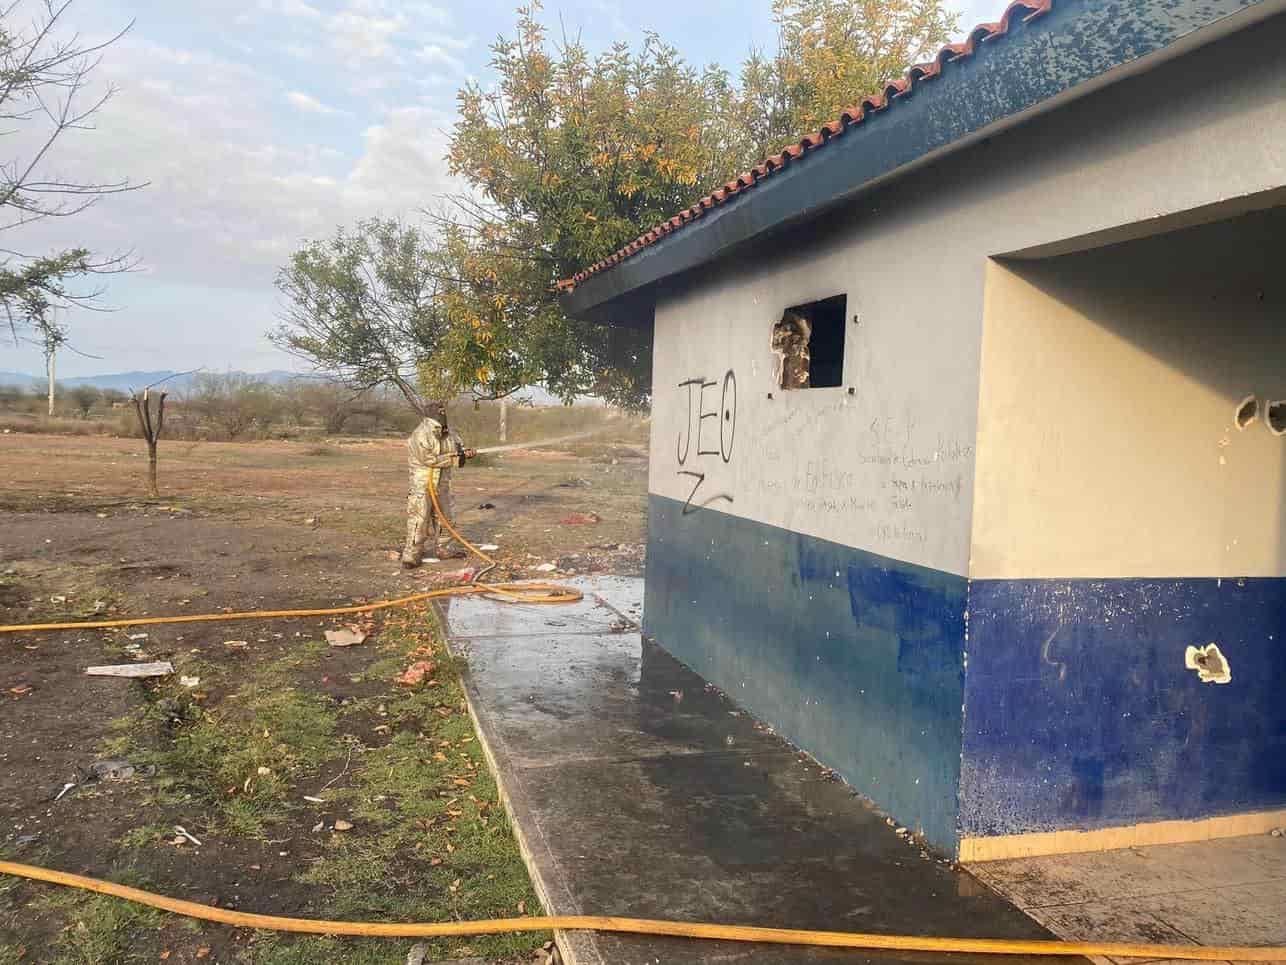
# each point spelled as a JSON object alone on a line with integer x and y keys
{"x": 45, "y": 91}
{"x": 151, "y": 429}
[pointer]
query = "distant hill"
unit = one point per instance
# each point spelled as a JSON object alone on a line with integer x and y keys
{"x": 136, "y": 380}
{"x": 532, "y": 395}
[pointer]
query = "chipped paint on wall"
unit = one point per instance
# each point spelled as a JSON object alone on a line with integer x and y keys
{"x": 1081, "y": 711}
{"x": 1209, "y": 663}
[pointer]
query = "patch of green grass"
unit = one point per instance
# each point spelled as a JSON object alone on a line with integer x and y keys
{"x": 102, "y": 929}
{"x": 97, "y": 929}
{"x": 144, "y": 836}
{"x": 244, "y": 757}
{"x": 431, "y": 840}
{"x": 240, "y": 759}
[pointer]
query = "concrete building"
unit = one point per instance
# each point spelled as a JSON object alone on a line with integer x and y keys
{"x": 1039, "y": 465}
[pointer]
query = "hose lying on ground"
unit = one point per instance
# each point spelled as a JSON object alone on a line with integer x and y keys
{"x": 554, "y": 593}
{"x": 642, "y": 926}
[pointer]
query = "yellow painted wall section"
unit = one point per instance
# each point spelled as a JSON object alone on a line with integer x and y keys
{"x": 1107, "y": 443}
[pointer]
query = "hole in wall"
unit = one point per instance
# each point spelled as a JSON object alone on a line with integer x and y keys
{"x": 809, "y": 344}
{"x": 1247, "y": 412}
{"x": 1275, "y": 416}
{"x": 1209, "y": 663}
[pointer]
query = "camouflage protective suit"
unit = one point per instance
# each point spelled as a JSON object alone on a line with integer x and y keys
{"x": 432, "y": 450}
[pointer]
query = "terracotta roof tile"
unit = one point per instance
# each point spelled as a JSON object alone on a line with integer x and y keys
{"x": 882, "y": 100}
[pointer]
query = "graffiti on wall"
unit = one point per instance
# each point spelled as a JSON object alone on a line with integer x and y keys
{"x": 708, "y": 436}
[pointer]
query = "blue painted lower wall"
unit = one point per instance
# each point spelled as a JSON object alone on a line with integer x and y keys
{"x": 1079, "y": 712}
{"x": 855, "y": 657}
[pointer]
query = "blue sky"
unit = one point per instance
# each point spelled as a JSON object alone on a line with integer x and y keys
{"x": 260, "y": 123}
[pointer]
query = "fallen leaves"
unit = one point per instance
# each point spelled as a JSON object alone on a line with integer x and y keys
{"x": 415, "y": 674}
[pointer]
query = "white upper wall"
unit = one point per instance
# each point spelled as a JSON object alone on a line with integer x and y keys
{"x": 890, "y": 468}
{"x": 1109, "y": 444}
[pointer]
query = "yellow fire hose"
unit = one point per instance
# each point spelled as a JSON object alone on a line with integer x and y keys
{"x": 640, "y": 926}
{"x": 553, "y": 593}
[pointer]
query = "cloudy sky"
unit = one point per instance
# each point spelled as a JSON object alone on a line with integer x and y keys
{"x": 260, "y": 123}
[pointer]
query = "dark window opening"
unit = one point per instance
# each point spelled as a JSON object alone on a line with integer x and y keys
{"x": 809, "y": 344}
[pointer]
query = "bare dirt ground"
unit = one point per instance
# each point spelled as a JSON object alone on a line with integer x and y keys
{"x": 276, "y": 715}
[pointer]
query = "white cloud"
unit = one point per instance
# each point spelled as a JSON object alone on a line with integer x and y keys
{"x": 236, "y": 183}
{"x": 292, "y": 8}
{"x": 436, "y": 54}
{"x": 365, "y": 35}
{"x": 309, "y": 104}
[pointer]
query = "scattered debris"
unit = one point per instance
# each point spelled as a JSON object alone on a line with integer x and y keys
{"x": 546, "y": 568}
{"x": 488, "y": 547}
{"x": 160, "y": 668}
{"x": 463, "y": 576}
{"x": 136, "y": 636}
{"x": 66, "y": 788}
{"x": 580, "y": 519}
{"x": 190, "y": 682}
{"x": 110, "y": 770}
{"x": 57, "y": 599}
{"x": 486, "y": 505}
{"x": 417, "y": 954}
{"x": 342, "y": 825}
{"x": 237, "y": 644}
{"x": 345, "y": 637}
{"x": 314, "y": 800}
{"x": 20, "y": 691}
{"x": 182, "y": 832}
{"x": 1276, "y": 832}
{"x": 414, "y": 675}
{"x": 677, "y": 695}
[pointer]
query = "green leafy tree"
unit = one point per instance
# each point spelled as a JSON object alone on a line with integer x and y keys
{"x": 572, "y": 156}
{"x": 830, "y": 53}
{"x": 567, "y": 157}
{"x": 364, "y": 307}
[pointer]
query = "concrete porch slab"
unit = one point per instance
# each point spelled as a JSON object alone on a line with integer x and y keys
{"x": 1227, "y": 891}
{"x": 636, "y": 790}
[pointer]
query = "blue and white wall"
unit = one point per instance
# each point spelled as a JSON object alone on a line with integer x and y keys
{"x": 812, "y": 553}
{"x": 1123, "y": 514}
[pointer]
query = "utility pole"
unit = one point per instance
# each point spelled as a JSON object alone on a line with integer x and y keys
{"x": 49, "y": 358}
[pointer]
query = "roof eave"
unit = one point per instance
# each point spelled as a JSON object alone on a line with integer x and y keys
{"x": 1022, "y": 74}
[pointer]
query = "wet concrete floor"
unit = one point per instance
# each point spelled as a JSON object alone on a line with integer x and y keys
{"x": 639, "y": 791}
